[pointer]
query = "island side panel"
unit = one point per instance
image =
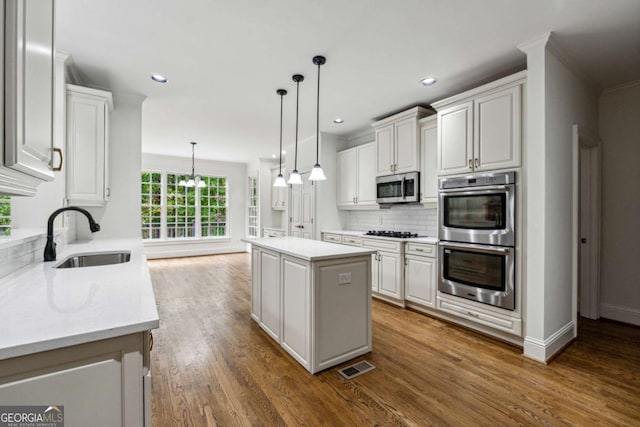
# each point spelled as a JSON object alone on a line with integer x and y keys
{"x": 255, "y": 284}
{"x": 296, "y": 309}
{"x": 342, "y": 310}
{"x": 270, "y": 293}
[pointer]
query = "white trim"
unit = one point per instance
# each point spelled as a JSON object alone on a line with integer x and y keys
{"x": 185, "y": 241}
{"x": 620, "y": 313}
{"x": 535, "y": 42}
{"x": 195, "y": 249}
{"x": 568, "y": 61}
{"x": 622, "y": 86}
{"x": 543, "y": 350}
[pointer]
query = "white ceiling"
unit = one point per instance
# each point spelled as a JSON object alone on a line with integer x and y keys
{"x": 225, "y": 59}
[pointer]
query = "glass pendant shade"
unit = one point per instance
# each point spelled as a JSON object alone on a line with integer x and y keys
{"x": 317, "y": 174}
{"x": 295, "y": 178}
{"x": 280, "y": 182}
{"x": 182, "y": 183}
{"x": 201, "y": 184}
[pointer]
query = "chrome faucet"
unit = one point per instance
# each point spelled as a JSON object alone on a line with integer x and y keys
{"x": 50, "y": 248}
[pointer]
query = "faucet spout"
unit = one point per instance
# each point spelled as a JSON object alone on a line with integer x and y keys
{"x": 50, "y": 247}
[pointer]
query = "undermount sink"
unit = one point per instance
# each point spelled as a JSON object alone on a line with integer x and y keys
{"x": 95, "y": 259}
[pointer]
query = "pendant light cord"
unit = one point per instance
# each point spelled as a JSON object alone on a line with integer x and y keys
{"x": 281, "y": 99}
{"x": 193, "y": 161}
{"x": 318, "y": 119}
{"x": 295, "y": 162}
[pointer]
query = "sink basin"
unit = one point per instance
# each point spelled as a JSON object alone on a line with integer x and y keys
{"x": 95, "y": 259}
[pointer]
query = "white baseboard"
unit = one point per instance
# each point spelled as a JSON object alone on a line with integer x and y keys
{"x": 543, "y": 350}
{"x": 177, "y": 251}
{"x": 620, "y": 313}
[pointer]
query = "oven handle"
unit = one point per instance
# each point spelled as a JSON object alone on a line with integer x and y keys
{"x": 475, "y": 189}
{"x": 478, "y": 248}
{"x": 403, "y": 183}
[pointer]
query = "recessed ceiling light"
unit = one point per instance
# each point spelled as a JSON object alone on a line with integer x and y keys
{"x": 338, "y": 120}
{"x": 159, "y": 78}
{"x": 428, "y": 81}
{"x": 273, "y": 156}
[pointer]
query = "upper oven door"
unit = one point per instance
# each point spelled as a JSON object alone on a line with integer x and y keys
{"x": 401, "y": 188}
{"x": 484, "y": 215}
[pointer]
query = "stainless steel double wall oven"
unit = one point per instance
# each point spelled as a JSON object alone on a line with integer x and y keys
{"x": 477, "y": 238}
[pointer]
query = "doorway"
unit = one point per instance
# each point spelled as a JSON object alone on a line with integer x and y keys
{"x": 302, "y": 208}
{"x": 587, "y": 177}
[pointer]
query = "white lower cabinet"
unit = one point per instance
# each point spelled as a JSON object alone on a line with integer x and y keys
{"x": 420, "y": 274}
{"x": 387, "y": 273}
{"x": 255, "y": 285}
{"x": 270, "y": 293}
{"x": 102, "y": 383}
{"x": 296, "y": 309}
{"x": 481, "y": 314}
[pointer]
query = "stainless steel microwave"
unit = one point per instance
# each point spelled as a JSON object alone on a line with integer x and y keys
{"x": 400, "y": 188}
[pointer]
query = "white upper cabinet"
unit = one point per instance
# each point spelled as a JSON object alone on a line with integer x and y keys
{"x": 28, "y": 77}
{"x": 428, "y": 160}
{"x": 87, "y": 146}
{"x": 398, "y": 142}
{"x": 356, "y": 187}
{"x": 480, "y": 130}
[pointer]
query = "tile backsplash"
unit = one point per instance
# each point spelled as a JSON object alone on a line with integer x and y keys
{"x": 413, "y": 218}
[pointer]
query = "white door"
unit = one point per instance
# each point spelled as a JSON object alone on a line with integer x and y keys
{"x": 302, "y": 209}
{"x": 497, "y": 130}
{"x": 455, "y": 139}
{"x": 390, "y": 275}
{"x": 588, "y": 229}
{"x": 419, "y": 279}
{"x": 385, "y": 147}
{"x": 406, "y": 146}
{"x": 347, "y": 170}
{"x": 366, "y": 174}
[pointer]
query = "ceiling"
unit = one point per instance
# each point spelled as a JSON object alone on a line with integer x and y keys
{"x": 226, "y": 59}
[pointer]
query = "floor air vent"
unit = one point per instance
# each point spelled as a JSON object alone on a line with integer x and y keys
{"x": 356, "y": 369}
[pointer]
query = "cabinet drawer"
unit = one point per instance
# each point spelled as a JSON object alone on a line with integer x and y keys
{"x": 352, "y": 240}
{"x": 335, "y": 238}
{"x": 424, "y": 249}
{"x": 386, "y": 245}
{"x": 494, "y": 320}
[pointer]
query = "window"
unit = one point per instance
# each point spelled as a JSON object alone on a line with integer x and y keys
{"x": 252, "y": 215}
{"x": 213, "y": 206}
{"x": 171, "y": 211}
{"x": 5, "y": 215}
{"x": 151, "y": 204}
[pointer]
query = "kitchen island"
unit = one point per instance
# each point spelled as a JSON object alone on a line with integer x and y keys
{"x": 313, "y": 298}
{"x": 80, "y": 337}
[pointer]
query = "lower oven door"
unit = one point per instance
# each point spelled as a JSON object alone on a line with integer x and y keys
{"x": 478, "y": 272}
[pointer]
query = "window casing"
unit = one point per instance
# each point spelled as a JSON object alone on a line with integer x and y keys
{"x": 252, "y": 214}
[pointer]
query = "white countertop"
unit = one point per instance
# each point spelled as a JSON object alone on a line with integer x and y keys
{"x": 308, "y": 249}
{"x": 424, "y": 239}
{"x": 44, "y": 308}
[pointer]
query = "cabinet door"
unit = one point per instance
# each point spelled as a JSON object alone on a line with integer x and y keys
{"x": 455, "y": 139}
{"x": 347, "y": 177}
{"x": 428, "y": 163}
{"x": 270, "y": 293}
{"x": 375, "y": 273}
{"x": 255, "y": 284}
{"x": 407, "y": 148}
{"x": 366, "y": 179}
{"x": 390, "y": 274}
{"x": 419, "y": 280}
{"x": 29, "y": 86}
{"x": 497, "y": 130}
{"x": 384, "y": 149}
{"x": 86, "y": 150}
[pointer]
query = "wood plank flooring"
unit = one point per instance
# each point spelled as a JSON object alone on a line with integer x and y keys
{"x": 213, "y": 365}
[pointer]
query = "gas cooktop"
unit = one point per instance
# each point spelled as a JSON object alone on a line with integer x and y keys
{"x": 389, "y": 233}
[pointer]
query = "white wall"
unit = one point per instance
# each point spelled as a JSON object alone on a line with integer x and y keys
{"x": 557, "y": 98}
{"x": 620, "y": 252}
{"x": 236, "y": 174}
{"x": 120, "y": 217}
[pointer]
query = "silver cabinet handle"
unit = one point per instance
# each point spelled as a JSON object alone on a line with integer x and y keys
{"x": 419, "y": 249}
{"x": 470, "y": 164}
{"x": 477, "y": 162}
{"x": 472, "y": 314}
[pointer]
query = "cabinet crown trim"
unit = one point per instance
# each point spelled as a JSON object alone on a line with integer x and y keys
{"x": 108, "y": 97}
{"x": 417, "y": 112}
{"x": 512, "y": 80}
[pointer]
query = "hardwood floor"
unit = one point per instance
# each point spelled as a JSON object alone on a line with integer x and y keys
{"x": 213, "y": 365}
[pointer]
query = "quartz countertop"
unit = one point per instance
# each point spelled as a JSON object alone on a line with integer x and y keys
{"x": 422, "y": 239}
{"x": 44, "y": 308}
{"x": 308, "y": 249}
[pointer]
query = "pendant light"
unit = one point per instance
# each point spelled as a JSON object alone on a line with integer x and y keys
{"x": 194, "y": 181}
{"x": 295, "y": 177}
{"x": 317, "y": 174}
{"x": 280, "y": 182}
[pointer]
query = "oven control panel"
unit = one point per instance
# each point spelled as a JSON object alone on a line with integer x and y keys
{"x": 480, "y": 180}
